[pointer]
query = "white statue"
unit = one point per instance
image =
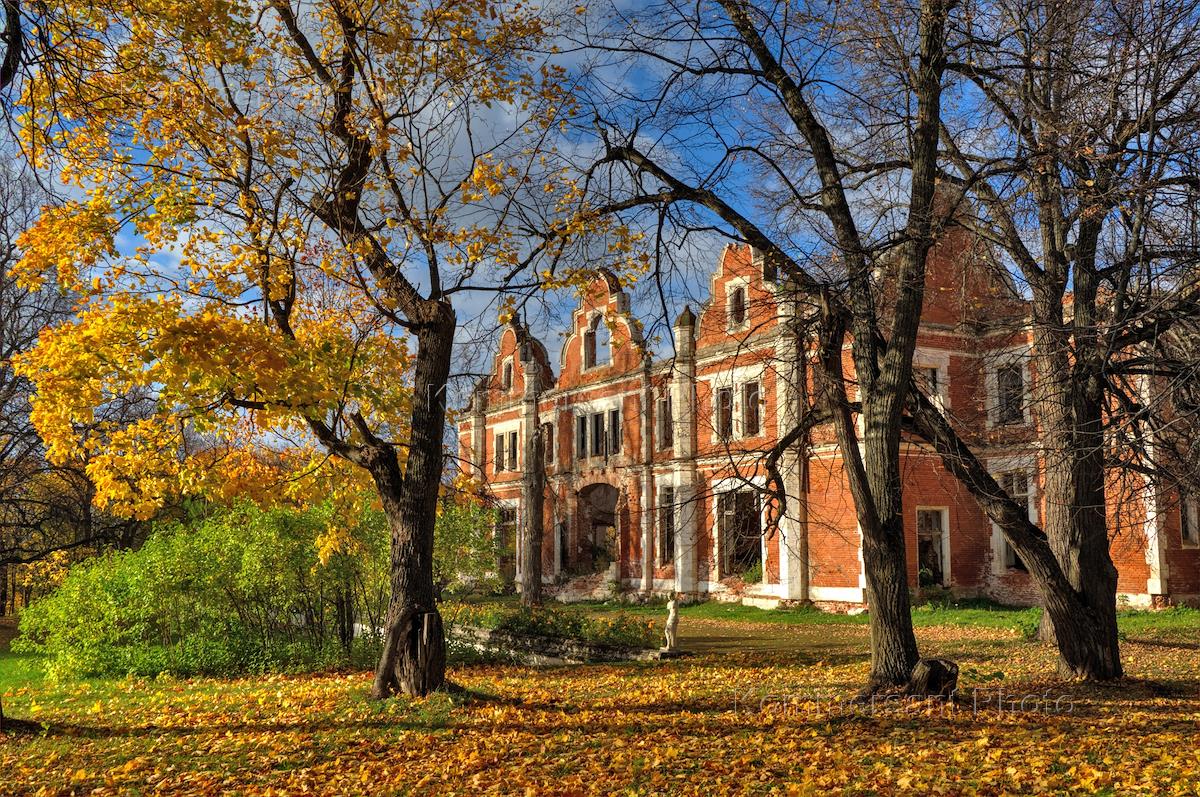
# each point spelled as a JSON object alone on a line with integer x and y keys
{"x": 672, "y": 620}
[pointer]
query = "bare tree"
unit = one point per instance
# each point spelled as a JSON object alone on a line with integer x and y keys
{"x": 1075, "y": 139}
{"x": 784, "y": 60}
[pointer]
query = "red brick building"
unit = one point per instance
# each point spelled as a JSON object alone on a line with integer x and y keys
{"x": 654, "y": 469}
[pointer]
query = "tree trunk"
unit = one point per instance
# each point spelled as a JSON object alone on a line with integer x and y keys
{"x": 882, "y": 368}
{"x": 893, "y": 643}
{"x": 533, "y": 499}
{"x": 874, "y": 481}
{"x": 414, "y": 646}
{"x": 934, "y": 678}
{"x": 1087, "y": 640}
{"x": 344, "y": 604}
{"x": 533, "y": 488}
{"x": 1084, "y": 616}
{"x": 1069, "y": 393}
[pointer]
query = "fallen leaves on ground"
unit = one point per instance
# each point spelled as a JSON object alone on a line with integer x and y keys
{"x": 761, "y": 710}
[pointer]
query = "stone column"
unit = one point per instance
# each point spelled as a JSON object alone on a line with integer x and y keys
{"x": 1157, "y": 586}
{"x": 648, "y": 498}
{"x": 792, "y": 396}
{"x": 479, "y": 431}
{"x": 533, "y": 486}
{"x": 683, "y": 406}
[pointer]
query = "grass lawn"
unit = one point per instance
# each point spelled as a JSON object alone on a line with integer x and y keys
{"x": 966, "y": 613}
{"x": 757, "y": 708}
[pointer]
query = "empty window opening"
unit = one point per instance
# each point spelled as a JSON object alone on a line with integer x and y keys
{"x": 739, "y": 522}
{"x": 1010, "y": 394}
{"x": 737, "y": 307}
{"x": 932, "y": 568}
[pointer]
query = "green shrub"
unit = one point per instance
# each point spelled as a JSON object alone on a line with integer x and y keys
{"x": 240, "y": 590}
{"x": 464, "y": 550}
{"x": 616, "y": 628}
{"x": 754, "y": 574}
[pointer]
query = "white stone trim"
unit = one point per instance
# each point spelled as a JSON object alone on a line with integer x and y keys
{"x": 938, "y": 359}
{"x": 732, "y": 284}
{"x": 764, "y": 590}
{"x": 506, "y": 428}
{"x": 736, "y": 379}
{"x": 1156, "y": 553}
{"x": 837, "y": 594}
{"x": 862, "y": 562}
{"x": 1135, "y": 600}
{"x": 599, "y": 404}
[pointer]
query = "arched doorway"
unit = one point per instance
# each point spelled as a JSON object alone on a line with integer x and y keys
{"x": 598, "y": 528}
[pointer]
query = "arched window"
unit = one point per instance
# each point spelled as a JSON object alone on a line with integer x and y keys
{"x": 737, "y": 307}
{"x": 597, "y": 343}
{"x": 589, "y": 348}
{"x": 603, "y": 342}
{"x": 506, "y": 378}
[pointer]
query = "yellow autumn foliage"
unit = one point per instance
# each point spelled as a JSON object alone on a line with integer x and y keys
{"x": 216, "y": 149}
{"x": 756, "y": 708}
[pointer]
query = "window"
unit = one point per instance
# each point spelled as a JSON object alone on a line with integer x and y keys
{"x": 581, "y": 424}
{"x": 603, "y": 342}
{"x": 737, "y": 307}
{"x": 1016, "y": 484}
{"x": 934, "y": 380}
{"x": 597, "y": 434}
{"x": 932, "y": 568}
{"x": 563, "y": 544}
{"x": 589, "y": 348}
{"x": 506, "y": 380}
{"x": 931, "y": 380}
{"x": 1189, "y": 520}
{"x": 614, "y": 432}
{"x": 666, "y": 526}
{"x": 1010, "y": 394}
{"x": 597, "y": 343}
{"x": 725, "y": 413}
{"x": 770, "y": 273}
{"x": 666, "y": 428}
{"x": 739, "y": 526}
{"x": 505, "y": 537}
{"x": 500, "y": 459}
{"x": 750, "y": 420}
{"x": 512, "y": 450}
{"x": 548, "y": 443}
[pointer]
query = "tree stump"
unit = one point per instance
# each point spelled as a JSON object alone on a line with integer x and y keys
{"x": 933, "y": 678}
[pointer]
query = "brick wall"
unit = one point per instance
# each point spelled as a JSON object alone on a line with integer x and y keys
{"x": 964, "y": 297}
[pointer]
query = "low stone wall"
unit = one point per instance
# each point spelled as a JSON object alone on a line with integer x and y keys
{"x": 540, "y": 650}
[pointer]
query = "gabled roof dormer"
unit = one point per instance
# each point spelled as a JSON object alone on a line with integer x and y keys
{"x": 742, "y": 299}
{"x": 510, "y": 367}
{"x": 603, "y": 340}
